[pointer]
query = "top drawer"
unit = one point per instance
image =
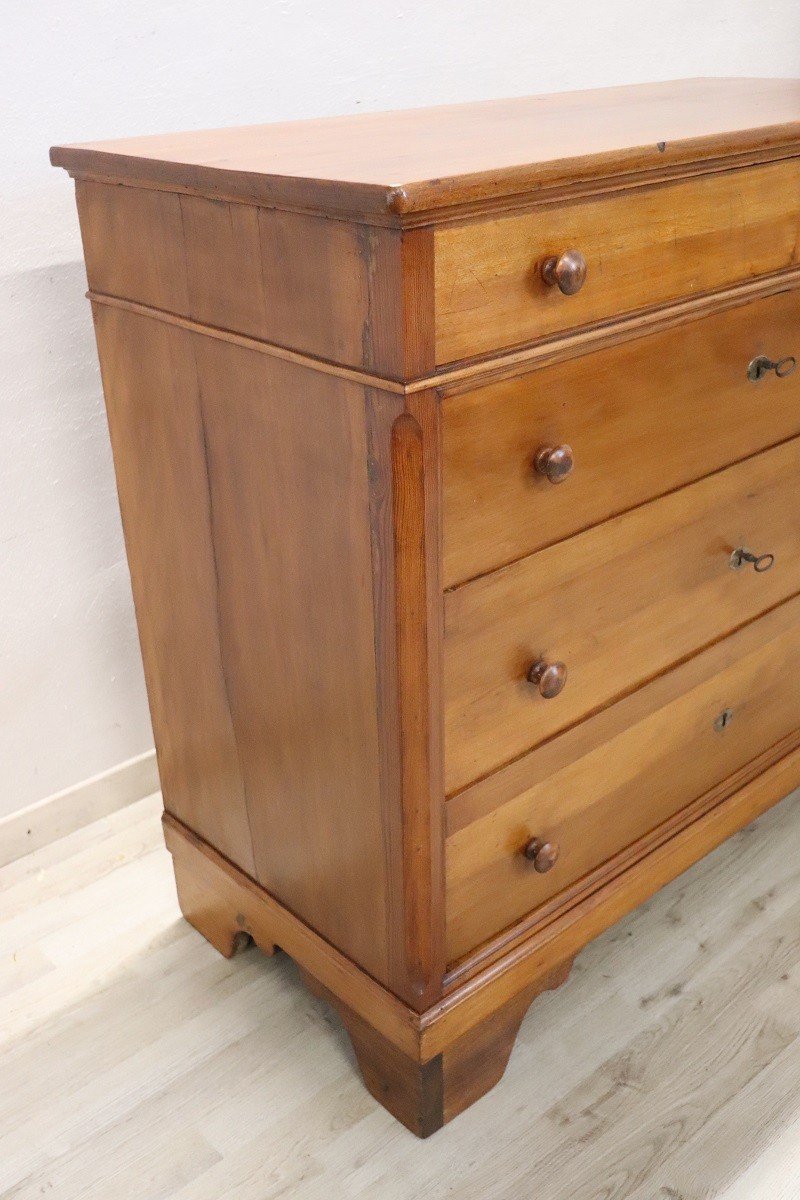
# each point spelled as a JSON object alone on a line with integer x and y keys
{"x": 642, "y": 247}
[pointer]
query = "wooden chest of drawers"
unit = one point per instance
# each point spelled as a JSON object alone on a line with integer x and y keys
{"x": 458, "y": 455}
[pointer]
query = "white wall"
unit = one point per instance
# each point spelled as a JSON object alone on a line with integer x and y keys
{"x": 72, "y": 700}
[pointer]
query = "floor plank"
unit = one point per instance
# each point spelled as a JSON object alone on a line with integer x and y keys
{"x": 137, "y": 1063}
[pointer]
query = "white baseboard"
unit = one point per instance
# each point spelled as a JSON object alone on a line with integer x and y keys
{"x": 63, "y": 813}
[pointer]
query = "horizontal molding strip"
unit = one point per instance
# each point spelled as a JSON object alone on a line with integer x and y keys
{"x": 249, "y": 343}
{"x": 430, "y": 203}
{"x": 568, "y": 190}
{"x": 466, "y": 376}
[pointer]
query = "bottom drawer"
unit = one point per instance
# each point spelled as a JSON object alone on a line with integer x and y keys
{"x": 600, "y": 786}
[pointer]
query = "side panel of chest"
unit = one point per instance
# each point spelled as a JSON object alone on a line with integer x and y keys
{"x": 244, "y": 491}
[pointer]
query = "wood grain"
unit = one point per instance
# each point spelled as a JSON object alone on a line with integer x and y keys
{"x": 221, "y": 902}
{"x": 642, "y": 418}
{"x": 606, "y": 725}
{"x": 308, "y": 335}
{"x": 389, "y": 164}
{"x": 643, "y": 248}
{"x": 604, "y": 800}
{"x": 274, "y": 439}
{"x": 452, "y": 381}
{"x": 133, "y": 244}
{"x": 288, "y": 481}
{"x": 353, "y": 294}
{"x": 418, "y": 706}
{"x": 297, "y": 472}
{"x": 618, "y": 604}
{"x": 151, "y": 390}
{"x": 477, "y": 997}
{"x": 288, "y": 725}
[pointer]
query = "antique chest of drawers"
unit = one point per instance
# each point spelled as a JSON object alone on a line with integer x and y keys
{"x": 458, "y": 454}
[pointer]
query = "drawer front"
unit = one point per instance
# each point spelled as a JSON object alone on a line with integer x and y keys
{"x": 640, "y": 419}
{"x": 641, "y": 247}
{"x": 594, "y": 791}
{"x": 617, "y": 604}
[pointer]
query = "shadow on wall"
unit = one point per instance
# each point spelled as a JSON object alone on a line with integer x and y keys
{"x": 72, "y": 700}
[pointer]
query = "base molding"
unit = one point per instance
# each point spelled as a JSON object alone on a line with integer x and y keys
{"x": 62, "y": 813}
{"x": 421, "y": 1089}
{"x": 223, "y": 903}
{"x": 427, "y": 1067}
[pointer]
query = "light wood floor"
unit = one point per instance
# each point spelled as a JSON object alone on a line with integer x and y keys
{"x": 137, "y": 1064}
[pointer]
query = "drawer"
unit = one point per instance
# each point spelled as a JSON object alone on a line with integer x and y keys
{"x": 595, "y": 790}
{"x": 642, "y": 247}
{"x": 617, "y": 604}
{"x": 640, "y": 418}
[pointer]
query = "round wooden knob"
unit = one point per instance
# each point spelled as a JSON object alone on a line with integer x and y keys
{"x": 543, "y": 855}
{"x": 549, "y": 678}
{"x": 554, "y": 462}
{"x": 567, "y": 272}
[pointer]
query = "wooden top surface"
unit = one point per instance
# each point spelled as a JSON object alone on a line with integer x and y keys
{"x": 424, "y": 159}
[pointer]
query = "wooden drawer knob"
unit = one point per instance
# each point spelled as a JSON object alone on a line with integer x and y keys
{"x": 543, "y": 855}
{"x": 549, "y": 678}
{"x": 567, "y": 272}
{"x": 554, "y": 462}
